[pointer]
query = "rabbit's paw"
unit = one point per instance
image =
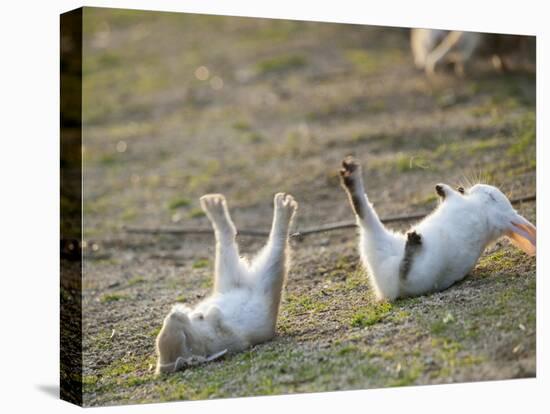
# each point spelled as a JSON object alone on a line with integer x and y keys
{"x": 413, "y": 238}
{"x": 214, "y": 205}
{"x": 350, "y": 172}
{"x": 285, "y": 205}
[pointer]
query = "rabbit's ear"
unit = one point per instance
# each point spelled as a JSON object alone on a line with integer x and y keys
{"x": 523, "y": 234}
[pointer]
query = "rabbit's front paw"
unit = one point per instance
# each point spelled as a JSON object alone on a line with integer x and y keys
{"x": 350, "y": 171}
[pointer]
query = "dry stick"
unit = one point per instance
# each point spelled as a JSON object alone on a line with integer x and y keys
{"x": 313, "y": 230}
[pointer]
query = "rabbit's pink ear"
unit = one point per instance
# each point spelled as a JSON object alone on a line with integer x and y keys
{"x": 523, "y": 234}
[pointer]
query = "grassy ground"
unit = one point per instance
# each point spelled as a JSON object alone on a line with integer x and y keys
{"x": 176, "y": 106}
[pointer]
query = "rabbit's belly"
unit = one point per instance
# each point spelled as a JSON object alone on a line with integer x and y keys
{"x": 457, "y": 269}
{"x": 420, "y": 282}
{"x": 436, "y": 268}
{"x": 247, "y": 314}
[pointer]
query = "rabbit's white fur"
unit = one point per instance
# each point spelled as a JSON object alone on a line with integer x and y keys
{"x": 243, "y": 308}
{"x": 432, "y": 47}
{"x": 452, "y": 238}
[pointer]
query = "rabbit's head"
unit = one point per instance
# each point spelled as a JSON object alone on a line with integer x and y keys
{"x": 179, "y": 343}
{"x": 172, "y": 342}
{"x": 502, "y": 218}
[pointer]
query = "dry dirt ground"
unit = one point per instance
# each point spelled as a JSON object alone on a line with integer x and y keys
{"x": 279, "y": 105}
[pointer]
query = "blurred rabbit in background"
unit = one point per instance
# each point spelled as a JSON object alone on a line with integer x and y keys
{"x": 434, "y": 48}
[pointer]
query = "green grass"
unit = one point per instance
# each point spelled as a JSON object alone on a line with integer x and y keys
{"x": 372, "y": 61}
{"x": 405, "y": 162}
{"x": 399, "y": 316}
{"x": 207, "y": 283}
{"x": 201, "y": 263}
{"x": 112, "y": 297}
{"x": 129, "y": 214}
{"x": 440, "y": 325}
{"x": 406, "y": 373}
{"x": 253, "y": 137}
{"x": 108, "y": 160}
{"x": 371, "y": 315}
{"x": 154, "y": 332}
{"x": 208, "y": 170}
{"x": 179, "y": 203}
{"x": 136, "y": 281}
{"x": 121, "y": 375}
{"x": 526, "y": 136}
{"x": 282, "y": 63}
{"x": 501, "y": 260}
{"x": 295, "y": 304}
{"x": 241, "y": 126}
{"x": 196, "y": 213}
{"x": 102, "y": 340}
{"x": 440, "y": 157}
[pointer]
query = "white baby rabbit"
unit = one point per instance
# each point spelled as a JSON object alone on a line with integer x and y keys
{"x": 243, "y": 308}
{"x": 443, "y": 247}
{"x": 433, "y": 47}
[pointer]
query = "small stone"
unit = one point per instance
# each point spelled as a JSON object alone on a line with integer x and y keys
{"x": 517, "y": 349}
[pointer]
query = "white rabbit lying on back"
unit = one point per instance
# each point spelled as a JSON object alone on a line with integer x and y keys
{"x": 442, "y": 248}
{"x": 243, "y": 309}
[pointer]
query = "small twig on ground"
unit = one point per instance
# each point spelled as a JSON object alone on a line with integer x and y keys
{"x": 301, "y": 233}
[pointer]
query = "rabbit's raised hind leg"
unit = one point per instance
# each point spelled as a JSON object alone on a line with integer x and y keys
{"x": 230, "y": 269}
{"x": 269, "y": 267}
